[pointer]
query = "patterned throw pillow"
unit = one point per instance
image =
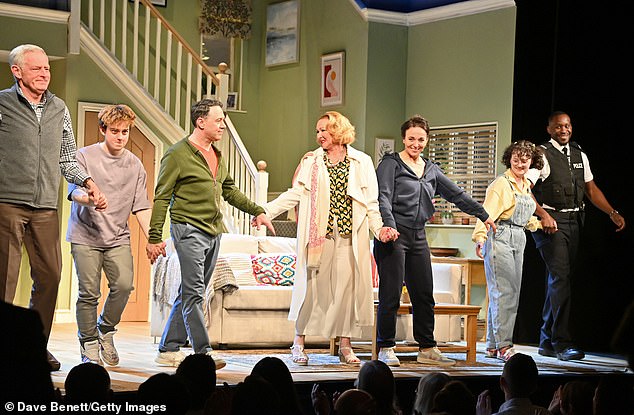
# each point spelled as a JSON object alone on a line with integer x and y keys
{"x": 274, "y": 269}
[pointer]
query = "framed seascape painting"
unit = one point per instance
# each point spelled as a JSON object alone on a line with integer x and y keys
{"x": 332, "y": 79}
{"x": 282, "y": 33}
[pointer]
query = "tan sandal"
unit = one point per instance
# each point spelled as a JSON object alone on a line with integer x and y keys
{"x": 298, "y": 355}
{"x": 349, "y": 359}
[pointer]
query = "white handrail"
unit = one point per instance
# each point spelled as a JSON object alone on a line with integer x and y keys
{"x": 175, "y": 85}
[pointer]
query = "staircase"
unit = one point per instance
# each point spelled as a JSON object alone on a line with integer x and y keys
{"x": 162, "y": 76}
{"x": 165, "y": 76}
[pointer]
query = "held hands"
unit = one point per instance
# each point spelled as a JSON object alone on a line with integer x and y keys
{"x": 95, "y": 196}
{"x": 479, "y": 246}
{"x": 262, "y": 219}
{"x": 387, "y": 234}
{"x": 548, "y": 224}
{"x": 153, "y": 251}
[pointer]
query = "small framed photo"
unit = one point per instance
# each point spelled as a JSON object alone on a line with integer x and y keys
{"x": 232, "y": 101}
{"x": 332, "y": 79}
{"x": 282, "y": 33}
{"x": 382, "y": 146}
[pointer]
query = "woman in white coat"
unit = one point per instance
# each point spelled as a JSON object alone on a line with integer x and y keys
{"x": 336, "y": 189}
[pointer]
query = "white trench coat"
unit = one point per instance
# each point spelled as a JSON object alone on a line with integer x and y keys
{"x": 366, "y": 218}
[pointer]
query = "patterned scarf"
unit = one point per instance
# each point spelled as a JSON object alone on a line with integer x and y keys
{"x": 316, "y": 230}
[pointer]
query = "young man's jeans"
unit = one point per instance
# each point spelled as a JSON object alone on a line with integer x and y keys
{"x": 118, "y": 266}
{"x": 197, "y": 253}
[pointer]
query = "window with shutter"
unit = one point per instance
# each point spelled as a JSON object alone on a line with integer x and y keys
{"x": 466, "y": 154}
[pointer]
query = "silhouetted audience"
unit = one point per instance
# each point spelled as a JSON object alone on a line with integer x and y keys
{"x": 573, "y": 398}
{"x": 518, "y": 382}
{"x": 355, "y": 402}
{"x": 255, "y": 395}
{"x": 376, "y": 378}
{"x": 275, "y": 371}
{"x": 198, "y": 373}
{"x": 623, "y": 339}
{"x": 614, "y": 395}
{"x": 428, "y": 387}
{"x": 87, "y": 382}
{"x": 454, "y": 399}
{"x": 168, "y": 391}
{"x": 24, "y": 349}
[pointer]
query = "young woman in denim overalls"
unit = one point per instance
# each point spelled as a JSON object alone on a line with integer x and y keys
{"x": 509, "y": 201}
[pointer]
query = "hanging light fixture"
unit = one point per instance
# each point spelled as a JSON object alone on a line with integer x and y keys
{"x": 230, "y": 18}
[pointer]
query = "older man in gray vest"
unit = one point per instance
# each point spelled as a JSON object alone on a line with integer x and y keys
{"x": 36, "y": 145}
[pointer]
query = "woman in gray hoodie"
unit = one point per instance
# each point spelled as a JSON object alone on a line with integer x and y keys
{"x": 407, "y": 185}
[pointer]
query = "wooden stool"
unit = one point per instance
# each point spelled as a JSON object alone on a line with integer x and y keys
{"x": 470, "y": 329}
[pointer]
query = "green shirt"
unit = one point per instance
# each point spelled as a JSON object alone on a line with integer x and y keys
{"x": 186, "y": 185}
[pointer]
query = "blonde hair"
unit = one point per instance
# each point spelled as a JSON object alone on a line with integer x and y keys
{"x": 113, "y": 114}
{"x": 339, "y": 127}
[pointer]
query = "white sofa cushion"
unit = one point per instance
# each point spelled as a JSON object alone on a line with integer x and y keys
{"x": 276, "y": 245}
{"x": 241, "y": 266}
{"x": 244, "y": 244}
{"x": 261, "y": 297}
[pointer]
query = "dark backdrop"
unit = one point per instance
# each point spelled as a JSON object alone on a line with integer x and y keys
{"x": 577, "y": 57}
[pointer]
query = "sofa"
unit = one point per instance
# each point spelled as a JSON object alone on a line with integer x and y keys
{"x": 248, "y": 299}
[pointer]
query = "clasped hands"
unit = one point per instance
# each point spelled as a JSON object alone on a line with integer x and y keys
{"x": 387, "y": 234}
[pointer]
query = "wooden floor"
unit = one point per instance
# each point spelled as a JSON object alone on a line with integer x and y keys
{"x": 137, "y": 351}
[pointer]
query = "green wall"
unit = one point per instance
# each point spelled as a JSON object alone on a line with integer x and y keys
{"x": 282, "y": 103}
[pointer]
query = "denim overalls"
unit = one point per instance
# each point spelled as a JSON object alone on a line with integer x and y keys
{"x": 503, "y": 258}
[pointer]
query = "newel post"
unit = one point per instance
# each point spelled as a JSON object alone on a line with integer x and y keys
{"x": 261, "y": 189}
{"x": 223, "y": 84}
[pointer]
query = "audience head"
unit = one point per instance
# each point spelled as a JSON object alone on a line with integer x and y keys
{"x": 576, "y": 398}
{"x": 166, "y": 390}
{"x": 355, "y": 402}
{"x": 198, "y": 373}
{"x": 275, "y": 371}
{"x": 87, "y": 382}
{"x": 255, "y": 395}
{"x": 455, "y": 399}
{"x": 519, "y": 377}
{"x": 376, "y": 378}
{"x": 428, "y": 387}
{"x": 614, "y": 396}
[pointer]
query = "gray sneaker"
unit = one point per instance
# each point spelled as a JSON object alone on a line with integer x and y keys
{"x": 170, "y": 358}
{"x": 220, "y": 363}
{"x": 387, "y": 356}
{"x": 90, "y": 352}
{"x": 108, "y": 351}
{"x": 433, "y": 356}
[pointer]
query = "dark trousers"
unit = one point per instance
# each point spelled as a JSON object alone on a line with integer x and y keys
{"x": 406, "y": 259}
{"x": 38, "y": 229}
{"x": 559, "y": 251}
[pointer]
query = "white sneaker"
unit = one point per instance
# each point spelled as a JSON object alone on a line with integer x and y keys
{"x": 90, "y": 352}
{"x": 387, "y": 356}
{"x": 108, "y": 351}
{"x": 220, "y": 363}
{"x": 170, "y": 358}
{"x": 433, "y": 356}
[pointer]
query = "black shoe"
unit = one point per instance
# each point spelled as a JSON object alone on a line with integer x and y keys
{"x": 545, "y": 351}
{"x": 570, "y": 353}
{"x": 54, "y": 363}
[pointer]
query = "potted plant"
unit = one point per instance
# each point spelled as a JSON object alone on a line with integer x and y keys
{"x": 446, "y": 217}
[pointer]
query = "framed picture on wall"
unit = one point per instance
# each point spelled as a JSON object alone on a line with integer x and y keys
{"x": 232, "y": 100}
{"x": 382, "y": 146}
{"x": 282, "y": 33}
{"x": 332, "y": 79}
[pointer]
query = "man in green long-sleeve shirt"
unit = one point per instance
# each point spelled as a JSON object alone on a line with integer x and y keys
{"x": 192, "y": 180}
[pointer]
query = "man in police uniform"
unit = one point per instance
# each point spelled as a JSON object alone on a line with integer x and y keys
{"x": 560, "y": 188}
